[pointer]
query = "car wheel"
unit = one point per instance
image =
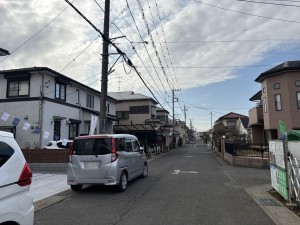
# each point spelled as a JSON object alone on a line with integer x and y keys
{"x": 123, "y": 182}
{"x": 145, "y": 171}
{"x": 76, "y": 187}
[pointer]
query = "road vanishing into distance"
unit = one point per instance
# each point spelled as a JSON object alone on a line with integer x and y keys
{"x": 190, "y": 185}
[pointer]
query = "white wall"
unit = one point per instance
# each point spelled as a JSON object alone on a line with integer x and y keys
{"x": 294, "y": 148}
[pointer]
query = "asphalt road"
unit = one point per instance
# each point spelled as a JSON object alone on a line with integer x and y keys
{"x": 189, "y": 186}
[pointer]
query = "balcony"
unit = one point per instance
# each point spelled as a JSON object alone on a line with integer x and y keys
{"x": 256, "y": 116}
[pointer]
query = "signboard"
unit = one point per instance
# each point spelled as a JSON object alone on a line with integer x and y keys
{"x": 277, "y": 153}
{"x": 278, "y": 180}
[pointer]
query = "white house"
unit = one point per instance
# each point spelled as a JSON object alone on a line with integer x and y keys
{"x": 53, "y": 105}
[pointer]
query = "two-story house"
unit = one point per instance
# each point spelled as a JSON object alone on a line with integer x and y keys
{"x": 39, "y": 104}
{"x": 278, "y": 99}
{"x": 236, "y": 121}
{"x": 138, "y": 114}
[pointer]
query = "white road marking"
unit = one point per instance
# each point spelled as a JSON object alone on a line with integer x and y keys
{"x": 179, "y": 171}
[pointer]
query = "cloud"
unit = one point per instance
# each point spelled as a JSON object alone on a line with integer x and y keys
{"x": 66, "y": 41}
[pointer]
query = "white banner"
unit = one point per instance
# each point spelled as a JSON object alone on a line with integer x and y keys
{"x": 5, "y": 116}
{"x": 26, "y": 126}
{"x": 94, "y": 120}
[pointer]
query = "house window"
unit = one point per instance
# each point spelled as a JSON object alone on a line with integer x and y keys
{"x": 107, "y": 108}
{"x": 89, "y": 101}
{"x": 265, "y": 104}
{"x": 17, "y": 88}
{"x": 277, "y": 102}
{"x": 60, "y": 91}
{"x": 122, "y": 114}
{"x": 143, "y": 109}
{"x": 153, "y": 110}
{"x": 231, "y": 123}
{"x": 298, "y": 100}
{"x": 297, "y": 83}
{"x": 277, "y": 86}
{"x": 77, "y": 97}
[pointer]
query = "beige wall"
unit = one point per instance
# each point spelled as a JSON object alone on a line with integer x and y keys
{"x": 134, "y": 118}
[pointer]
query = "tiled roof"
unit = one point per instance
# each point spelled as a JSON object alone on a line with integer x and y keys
{"x": 129, "y": 95}
{"x": 286, "y": 66}
{"x": 233, "y": 115}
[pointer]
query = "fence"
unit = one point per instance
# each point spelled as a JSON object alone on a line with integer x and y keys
{"x": 294, "y": 179}
{"x": 46, "y": 155}
{"x": 247, "y": 150}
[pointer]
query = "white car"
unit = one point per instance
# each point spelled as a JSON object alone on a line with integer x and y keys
{"x": 16, "y": 204}
{"x": 58, "y": 144}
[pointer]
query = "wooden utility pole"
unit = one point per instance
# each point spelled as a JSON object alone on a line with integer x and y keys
{"x": 104, "y": 77}
{"x": 173, "y": 125}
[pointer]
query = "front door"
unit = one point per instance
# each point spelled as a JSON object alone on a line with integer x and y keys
{"x": 57, "y": 126}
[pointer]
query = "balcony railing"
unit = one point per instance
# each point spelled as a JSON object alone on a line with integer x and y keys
{"x": 256, "y": 115}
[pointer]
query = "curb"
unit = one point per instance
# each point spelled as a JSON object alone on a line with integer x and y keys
{"x": 272, "y": 207}
{"x": 47, "y": 202}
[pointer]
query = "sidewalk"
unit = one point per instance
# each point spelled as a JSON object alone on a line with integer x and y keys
{"x": 46, "y": 184}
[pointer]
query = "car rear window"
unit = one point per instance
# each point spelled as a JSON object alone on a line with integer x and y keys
{"x": 5, "y": 153}
{"x": 92, "y": 146}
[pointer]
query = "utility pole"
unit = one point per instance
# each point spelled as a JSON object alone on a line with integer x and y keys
{"x": 211, "y": 120}
{"x": 173, "y": 125}
{"x": 104, "y": 77}
{"x": 185, "y": 109}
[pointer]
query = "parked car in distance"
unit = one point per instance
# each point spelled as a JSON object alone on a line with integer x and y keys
{"x": 16, "y": 204}
{"x": 109, "y": 159}
{"x": 58, "y": 144}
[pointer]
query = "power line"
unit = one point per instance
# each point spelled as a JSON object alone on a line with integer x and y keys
{"x": 160, "y": 46}
{"x": 74, "y": 59}
{"x": 151, "y": 37}
{"x": 226, "y": 41}
{"x": 127, "y": 60}
{"x": 144, "y": 46}
{"x": 249, "y": 14}
{"x": 164, "y": 36}
{"x": 137, "y": 54}
{"x": 214, "y": 67}
{"x": 269, "y": 3}
{"x": 34, "y": 35}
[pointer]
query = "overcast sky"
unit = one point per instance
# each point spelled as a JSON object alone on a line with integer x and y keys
{"x": 210, "y": 51}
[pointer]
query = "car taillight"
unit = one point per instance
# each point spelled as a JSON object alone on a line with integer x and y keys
{"x": 71, "y": 152}
{"x": 114, "y": 154}
{"x": 25, "y": 177}
{"x": 71, "y": 149}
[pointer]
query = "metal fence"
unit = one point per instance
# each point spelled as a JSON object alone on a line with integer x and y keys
{"x": 247, "y": 150}
{"x": 294, "y": 179}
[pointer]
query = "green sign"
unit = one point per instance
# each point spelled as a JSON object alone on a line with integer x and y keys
{"x": 278, "y": 178}
{"x": 282, "y": 126}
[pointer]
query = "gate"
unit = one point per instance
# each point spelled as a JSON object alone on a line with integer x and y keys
{"x": 294, "y": 179}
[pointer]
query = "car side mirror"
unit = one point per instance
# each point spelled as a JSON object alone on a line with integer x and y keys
{"x": 141, "y": 150}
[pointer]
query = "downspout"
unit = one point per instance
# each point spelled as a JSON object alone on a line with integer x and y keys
{"x": 41, "y": 108}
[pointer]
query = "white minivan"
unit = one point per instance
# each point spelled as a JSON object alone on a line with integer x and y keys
{"x": 108, "y": 159}
{"x": 16, "y": 204}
